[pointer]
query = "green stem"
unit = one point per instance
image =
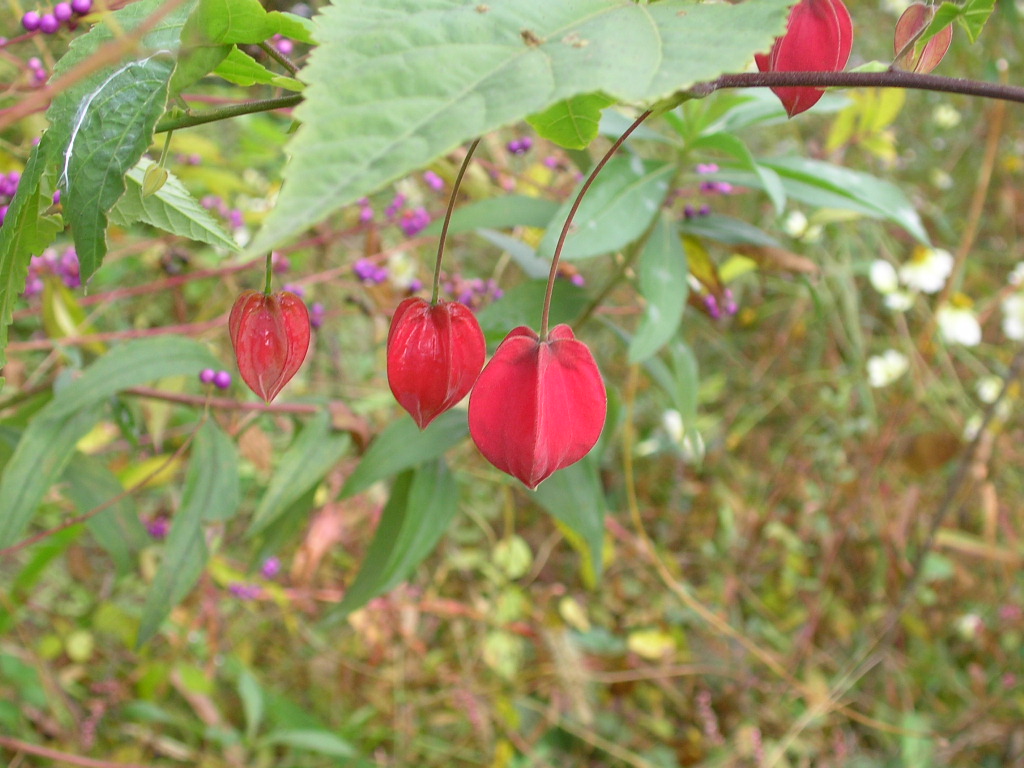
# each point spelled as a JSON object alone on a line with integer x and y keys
{"x": 167, "y": 145}
{"x": 448, "y": 218}
{"x": 270, "y": 272}
{"x": 572, "y": 213}
{"x": 280, "y": 58}
{"x": 224, "y": 113}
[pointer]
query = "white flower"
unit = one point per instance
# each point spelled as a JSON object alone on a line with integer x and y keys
{"x": 927, "y": 269}
{"x": 672, "y": 423}
{"x": 795, "y": 224}
{"x": 885, "y": 368}
{"x": 1013, "y": 317}
{"x": 401, "y": 269}
{"x": 883, "y": 276}
{"x": 946, "y": 116}
{"x": 940, "y": 179}
{"x": 1017, "y": 275}
{"x": 899, "y": 301}
{"x": 988, "y": 388}
{"x": 958, "y": 325}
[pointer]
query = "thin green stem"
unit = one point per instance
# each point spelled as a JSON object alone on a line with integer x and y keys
{"x": 167, "y": 146}
{"x": 270, "y": 273}
{"x": 224, "y": 113}
{"x": 448, "y": 218}
{"x": 572, "y": 213}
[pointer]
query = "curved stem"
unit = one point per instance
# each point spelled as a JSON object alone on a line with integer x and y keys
{"x": 889, "y": 79}
{"x": 572, "y": 213}
{"x": 223, "y": 113}
{"x": 448, "y": 218}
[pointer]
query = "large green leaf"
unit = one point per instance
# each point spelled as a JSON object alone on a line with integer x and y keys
{"x": 618, "y": 207}
{"x": 105, "y": 122}
{"x": 311, "y": 455}
{"x": 24, "y": 234}
{"x": 402, "y": 445}
{"x": 662, "y": 274}
{"x": 211, "y": 493}
{"x": 575, "y": 498}
{"x": 242, "y": 69}
{"x": 523, "y": 304}
{"x": 216, "y": 22}
{"x": 172, "y": 209}
{"x": 422, "y": 503}
{"x": 49, "y": 441}
{"x": 397, "y": 83}
{"x": 499, "y": 213}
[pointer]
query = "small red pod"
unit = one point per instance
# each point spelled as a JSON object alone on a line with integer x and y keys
{"x": 435, "y": 352}
{"x": 819, "y": 38}
{"x": 270, "y": 335}
{"x": 538, "y": 406}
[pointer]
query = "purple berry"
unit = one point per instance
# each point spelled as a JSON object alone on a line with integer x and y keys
{"x": 285, "y": 46}
{"x": 81, "y": 7}
{"x": 48, "y": 24}
{"x": 316, "y": 314}
{"x": 271, "y": 567}
{"x": 3, "y": 213}
{"x": 30, "y": 21}
{"x": 62, "y": 11}
{"x": 222, "y": 380}
{"x": 56, "y": 196}
{"x": 207, "y": 375}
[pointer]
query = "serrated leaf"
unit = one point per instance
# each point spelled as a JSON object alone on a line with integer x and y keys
{"x": 311, "y": 455}
{"x": 499, "y": 213}
{"x": 49, "y": 440}
{"x": 617, "y": 209}
{"x": 422, "y": 503}
{"x": 572, "y": 123}
{"x": 402, "y": 445}
{"x": 662, "y": 273}
{"x": 395, "y": 84}
{"x": 574, "y": 497}
{"x": 172, "y": 209}
{"x": 25, "y": 233}
{"x": 242, "y": 69}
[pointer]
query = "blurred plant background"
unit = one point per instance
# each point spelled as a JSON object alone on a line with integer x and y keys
{"x": 813, "y": 541}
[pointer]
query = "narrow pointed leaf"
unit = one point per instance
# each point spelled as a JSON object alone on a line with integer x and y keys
{"x": 662, "y": 282}
{"x": 574, "y": 497}
{"x": 397, "y": 83}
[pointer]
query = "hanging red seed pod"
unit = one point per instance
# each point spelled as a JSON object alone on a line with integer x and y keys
{"x": 270, "y": 334}
{"x": 539, "y": 405}
{"x": 920, "y": 58}
{"x": 818, "y": 38}
{"x": 435, "y": 353}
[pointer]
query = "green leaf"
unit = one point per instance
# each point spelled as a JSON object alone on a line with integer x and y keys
{"x": 972, "y": 16}
{"x": 25, "y": 233}
{"x": 402, "y": 445}
{"x": 499, "y": 213}
{"x": 112, "y": 130}
{"x": 726, "y": 229}
{"x": 311, "y": 455}
{"x": 397, "y": 83}
{"x": 211, "y": 493}
{"x": 618, "y": 208}
{"x": 574, "y": 497}
{"x": 172, "y": 209}
{"x": 522, "y": 305}
{"x": 251, "y": 695}
{"x": 522, "y": 254}
{"x": 572, "y": 123}
{"x": 49, "y": 441}
{"x": 242, "y": 69}
{"x": 216, "y": 488}
{"x": 422, "y": 503}
{"x": 662, "y": 274}
{"x": 88, "y": 484}
{"x": 245, "y": 22}
{"x": 322, "y": 742}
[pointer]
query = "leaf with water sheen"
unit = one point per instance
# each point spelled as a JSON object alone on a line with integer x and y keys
{"x": 397, "y": 83}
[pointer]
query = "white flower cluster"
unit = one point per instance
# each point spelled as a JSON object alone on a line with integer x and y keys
{"x": 885, "y": 368}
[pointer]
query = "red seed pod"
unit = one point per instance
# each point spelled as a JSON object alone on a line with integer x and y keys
{"x": 818, "y": 38}
{"x": 538, "y": 406}
{"x": 270, "y": 334}
{"x": 435, "y": 353}
{"x": 912, "y": 23}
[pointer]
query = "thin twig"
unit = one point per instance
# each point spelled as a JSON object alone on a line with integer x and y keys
{"x": 18, "y": 745}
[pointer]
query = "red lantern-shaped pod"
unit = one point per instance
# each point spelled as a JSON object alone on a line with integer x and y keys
{"x": 539, "y": 405}
{"x": 270, "y": 334}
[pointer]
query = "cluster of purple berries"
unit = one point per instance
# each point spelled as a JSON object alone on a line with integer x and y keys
{"x": 62, "y": 13}
{"x": 690, "y": 212}
{"x": 8, "y": 186}
{"x": 414, "y": 221}
{"x": 64, "y": 266}
{"x": 271, "y": 567}
{"x": 369, "y": 272}
{"x": 520, "y": 146}
{"x": 38, "y": 70}
{"x": 712, "y": 187}
{"x": 219, "y": 379}
{"x": 473, "y": 292}
{"x": 715, "y": 310}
